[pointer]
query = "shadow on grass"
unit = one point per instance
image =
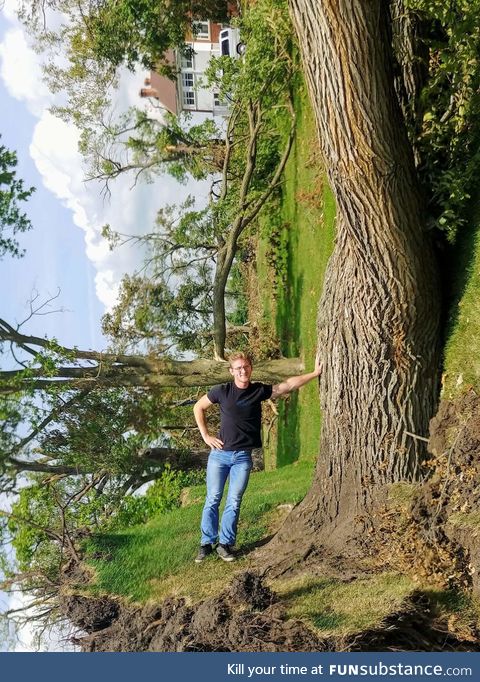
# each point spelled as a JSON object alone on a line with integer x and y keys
{"x": 288, "y": 329}
{"x": 102, "y": 547}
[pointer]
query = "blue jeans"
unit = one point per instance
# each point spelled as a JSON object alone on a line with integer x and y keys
{"x": 221, "y": 464}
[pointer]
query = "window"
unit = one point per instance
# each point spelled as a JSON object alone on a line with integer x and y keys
{"x": 189, "y": 98}
{"x": 201, "y": 29}
{"x": 218, "y": 102}
{"x": 186, "y": 62}
{"x": 187, "y": 80}
{"x": 188, "y": 91}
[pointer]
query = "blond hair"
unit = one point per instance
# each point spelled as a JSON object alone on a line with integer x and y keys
{"x": 240, "y": 355}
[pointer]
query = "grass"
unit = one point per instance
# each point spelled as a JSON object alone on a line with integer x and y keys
{"x": 154, "y": 560}
{"x": 461, "y": 361}
{"x": 305, "y": 220}
{"x": 467, "y": 521}
{"x": 335, "y": 608}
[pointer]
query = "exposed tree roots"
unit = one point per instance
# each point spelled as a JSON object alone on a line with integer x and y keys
{"x": 247, "y": 617}
{"x": 429, "y": 530}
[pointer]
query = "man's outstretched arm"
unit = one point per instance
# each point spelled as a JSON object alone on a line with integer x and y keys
{"x": 199, "y": 414}
{"x": 294, "y": 383}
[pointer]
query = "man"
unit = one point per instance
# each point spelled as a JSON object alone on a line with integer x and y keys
{"x": 231, "y": 452}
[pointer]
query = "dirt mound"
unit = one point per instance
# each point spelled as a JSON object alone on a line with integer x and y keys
{"x": 248, "y": 588}
{"x": 244, "y": 618}
{"x": 247, "y": 617}
{"x": 448, "y": 506}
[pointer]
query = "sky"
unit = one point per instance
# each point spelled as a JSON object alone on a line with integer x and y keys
{"x": 66, "y": 257}
{"x": 65, "y": 251}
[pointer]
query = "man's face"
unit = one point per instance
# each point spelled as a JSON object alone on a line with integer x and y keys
{"x": 241, "y": 370}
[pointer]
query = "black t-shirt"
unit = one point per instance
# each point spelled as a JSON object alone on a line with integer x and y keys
{"x": 240, "y": 414}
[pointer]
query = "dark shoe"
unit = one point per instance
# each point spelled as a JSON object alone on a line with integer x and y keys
{"x": 203, "y": 552}
{"x": 225, "y": 553}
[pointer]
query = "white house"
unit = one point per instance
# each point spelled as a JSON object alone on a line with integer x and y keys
{"x": 188, "y": 92}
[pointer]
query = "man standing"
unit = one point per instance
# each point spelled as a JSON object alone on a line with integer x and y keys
{"x": 231, "y": 453}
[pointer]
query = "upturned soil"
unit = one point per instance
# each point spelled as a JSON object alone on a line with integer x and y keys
{"x": 246, "y": 617}
{"x": 442, "y": 523}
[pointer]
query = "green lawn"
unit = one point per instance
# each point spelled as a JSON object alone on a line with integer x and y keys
{"x": 155, "y": 559}
{"x": 461, "y": 355}
{"x": 303, "y": 226}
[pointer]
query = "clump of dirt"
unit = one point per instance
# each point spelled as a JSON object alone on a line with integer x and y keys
{"x": 431, "y": 530}
{"x": 90, "y": 614}
{"x": 248, "y": 588}
{"x": 448, "y": 504}
{"x": 247, "y": 617}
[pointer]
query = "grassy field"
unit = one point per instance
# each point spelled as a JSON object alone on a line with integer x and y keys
{"x": 303, "y": 229}
{"x": 156, "y": 559}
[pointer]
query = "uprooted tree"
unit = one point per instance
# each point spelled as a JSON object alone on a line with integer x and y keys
{"x": 71, "y": 412}
{"x": 394, "y": 92}
{"x": 379, "y": 314}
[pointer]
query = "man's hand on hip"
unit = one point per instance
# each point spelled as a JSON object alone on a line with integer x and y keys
{"x": 213, "y": 442}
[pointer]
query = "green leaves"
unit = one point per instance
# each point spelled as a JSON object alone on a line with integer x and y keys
{"x": 12, "y": 193}
{"x": 449, "y": 137}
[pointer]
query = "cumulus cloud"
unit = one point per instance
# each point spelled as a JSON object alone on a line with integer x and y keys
{"x": 21, "y": 72}
{"x": 54, "y": 149}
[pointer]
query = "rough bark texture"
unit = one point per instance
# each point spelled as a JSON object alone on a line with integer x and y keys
{"x": 143, "y": 372}
{"x": 379, "y": 313}
{"x": 411, "y": 62}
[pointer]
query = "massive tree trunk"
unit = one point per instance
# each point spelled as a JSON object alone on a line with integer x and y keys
{"x": 379, "y": 314}
{"x": 130, "y": 371}
{"x": 107, "y": 369}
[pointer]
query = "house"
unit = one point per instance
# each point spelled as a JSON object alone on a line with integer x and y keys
{"x": 188, "y": 92}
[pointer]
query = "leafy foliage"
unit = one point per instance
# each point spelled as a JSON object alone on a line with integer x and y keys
{"x": 171, "y": 300}
{"x": 146, "y": 145}
{"x": 449, "y": 140}
{"x": 12, "y": 193}
{"x": 116, "y": 32}
{"x": 164, "y": 494}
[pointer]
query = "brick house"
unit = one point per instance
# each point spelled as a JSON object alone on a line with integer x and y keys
{"x": 187, "y": 93}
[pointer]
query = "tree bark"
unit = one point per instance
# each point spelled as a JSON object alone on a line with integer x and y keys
{"x": 378, "y": 322}
{"x": 411, "y": 59}
{"x": 142, "y": 372}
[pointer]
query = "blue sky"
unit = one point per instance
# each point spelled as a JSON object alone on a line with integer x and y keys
{"x": 65, "y": 250}
{"x": 55, "y": 249}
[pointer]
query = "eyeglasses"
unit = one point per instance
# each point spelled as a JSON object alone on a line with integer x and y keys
{"x": 239, "y": 369}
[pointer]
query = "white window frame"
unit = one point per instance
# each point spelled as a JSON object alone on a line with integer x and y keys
{"x": 189, "y": 95}
{"x": 203, "y": 35}
{"x": 189, "y": 99}
{"x": 186, "y": 63}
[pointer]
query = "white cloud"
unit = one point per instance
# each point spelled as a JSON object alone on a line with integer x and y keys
{"x": 10, "y": 8}
{"x": 54, "y": 150}
{"x": 21, "y": 72}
